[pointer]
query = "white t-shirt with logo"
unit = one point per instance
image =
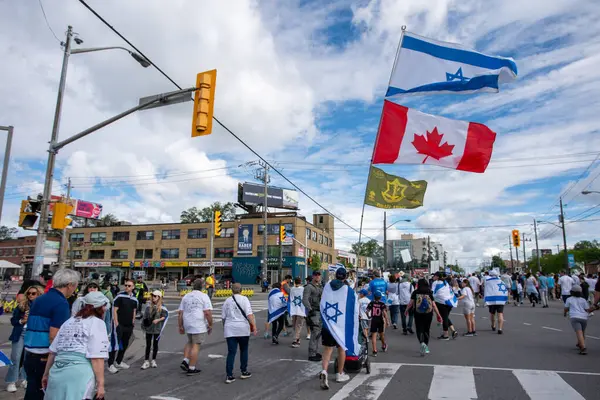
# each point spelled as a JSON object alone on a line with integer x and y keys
{"x": 87, "y": 336}
{"x": 468, "y": 300}
{"x": 363, "y": 303}
{"x": 235, "y": 323}
{"x": 566, "y": 284}
{"x": 193, "y": 306}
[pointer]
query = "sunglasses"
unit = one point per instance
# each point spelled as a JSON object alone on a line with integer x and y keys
{"x": 32, "y": 294}
{"x": 155, "y": 295}
{"x": 128, "y": 285}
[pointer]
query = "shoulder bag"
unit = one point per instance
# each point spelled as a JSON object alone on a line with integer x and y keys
{"x": 252, "y": 328}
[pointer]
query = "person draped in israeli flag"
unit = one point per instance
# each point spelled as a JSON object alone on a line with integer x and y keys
{"x": 277, "y": 308}
{"x": 4, "y": 360}
{"x": 427, "y": 66}
{"x": 296, "y": 310}
{"x": 496, "y": 295}
{"x": 339, "y": 312}
{"x": 445, "y": 300}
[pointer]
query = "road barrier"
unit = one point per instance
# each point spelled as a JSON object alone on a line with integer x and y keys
{"x": 221, "y": 292}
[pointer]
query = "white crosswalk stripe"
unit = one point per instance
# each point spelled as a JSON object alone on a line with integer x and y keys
{"x": 452, "y": 383}
{"x": 257, "y": 306}
{"x": 544, "y": 385}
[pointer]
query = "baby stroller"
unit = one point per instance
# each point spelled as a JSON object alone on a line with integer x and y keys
{"x": 354, "y": 364}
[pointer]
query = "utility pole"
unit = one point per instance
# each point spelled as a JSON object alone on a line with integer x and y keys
{"x": 564, "y": 232}
{"x": 62, "y": 255}
{"x": 264, "y": 176}
{"x": 385, "y": 258}
{"x": 557, "y": 249}
{"x": 280, "y": 274}
{"x": 428, "y": 254}
{"x": 517, "y": 254}
{"x": 524, "y": 252}
{"x": 512, "y": 266}
{"x": 9, "y": 129}
{"x": 537, "y": 248}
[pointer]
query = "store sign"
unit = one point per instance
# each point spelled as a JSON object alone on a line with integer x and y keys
{"x": 207, "y": 263}
{"x": 300, "y": 251}
{"x": 175, "y": 263}
{"x": 245, "y": 239}
{"x": 93, "y": 264}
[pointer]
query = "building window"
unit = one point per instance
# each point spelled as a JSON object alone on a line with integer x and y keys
{"x": 76, "y": 237}
{"x": 14, "y": 252}
{"x": 145, "y": 235}
{"x": 2, "y": 252}
{"x": 31, "y": 251}
{"x": 98, "y": 237}
{"x": 75, "y": 254}
{"x": 288, "y": 251}
{"x": 226, "y": 233}
{"x": 320, "y": 219}
{"x": 326, "y": 241}
{"x": 170, "y": 234}
{"x": 144, "y": 253}
{"x": 201, "y": 233}
{"x": 169, "y": 253}
{"x": 119, "y": 254}
{"x": 224, "y": 252}
{"x": 120, "y": 236}
{"x": 274, "y": 229}
{"x": 196, "y": 253}
{"x": 307, "y": 233}
{"x": 96, "y": 255}
{"x": 320, "y": 238}
{"x": 308, "y": 252}
{"x": 314, "y": 236}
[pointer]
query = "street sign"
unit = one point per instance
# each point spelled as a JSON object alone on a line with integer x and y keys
{"x": 571, "y": 260}
{"x": 174, "y": 99}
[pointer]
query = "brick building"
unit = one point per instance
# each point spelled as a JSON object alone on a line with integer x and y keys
{"x": 20, "y": 251}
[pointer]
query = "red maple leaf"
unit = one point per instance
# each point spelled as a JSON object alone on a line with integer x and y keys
{"x": 430, "y": 146}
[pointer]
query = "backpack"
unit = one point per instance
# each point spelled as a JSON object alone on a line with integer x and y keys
{"x": 423, "y": 304}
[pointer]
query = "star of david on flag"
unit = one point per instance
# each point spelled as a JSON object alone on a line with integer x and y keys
{"x": 297, "y": 301}
{"x": 336, "y": 314}
{"x": 458, "y": 76}
{"x": 502, "y": 288}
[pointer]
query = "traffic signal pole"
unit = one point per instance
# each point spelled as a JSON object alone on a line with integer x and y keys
{"x": 9, "y": 129}
{"x": 280, "y": 253}
{"x": 64, "y": 240}
{"x": 211, "y": 269}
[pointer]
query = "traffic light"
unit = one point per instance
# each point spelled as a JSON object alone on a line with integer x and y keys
{"x": 27, "y": 215}
{"x": 60, "y": 216}
{"x": 218, "y": 223}
{"x": 516, "y": 238}
{"x": 282, "y": 235}
{"x": 204, "y": 103}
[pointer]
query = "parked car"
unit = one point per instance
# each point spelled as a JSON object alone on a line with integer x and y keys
{"x": 222, "y": 279}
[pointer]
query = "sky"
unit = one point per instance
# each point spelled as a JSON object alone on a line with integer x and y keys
{"x": 302, "y": 83}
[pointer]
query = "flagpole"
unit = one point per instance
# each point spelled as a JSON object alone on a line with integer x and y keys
{"x": 362, "y": 214}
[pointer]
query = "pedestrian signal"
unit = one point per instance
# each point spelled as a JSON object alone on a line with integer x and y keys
{"x": 28, "y": 214}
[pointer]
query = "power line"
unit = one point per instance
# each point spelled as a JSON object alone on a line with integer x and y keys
{"x": 217, "y": 120}
{"x": 47, "y": 23}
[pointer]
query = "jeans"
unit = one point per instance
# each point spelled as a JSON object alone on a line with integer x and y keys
{"x": 232, "y": 345}
{"x": 314, "y": 322}
{"x": 403, "y": 318}
{"x": 444, "y": 310}
{"x": 298, "y": 324}
{"x": 565, "y": 297}
{"x": 277, "y": 326}
{"x": 423, "y": 325}
{"x": 544, "y": 296}
{"x": 14, "y": 372}
{"x": 35, "y": 365}
{"x": 123, "y": 336}
{"x": 394, "y": 310}
{"x": 151, "y": 342}
{"x": 210, "y": 291}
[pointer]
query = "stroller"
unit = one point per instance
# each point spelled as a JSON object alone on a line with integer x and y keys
{"x": 355, "y": 363}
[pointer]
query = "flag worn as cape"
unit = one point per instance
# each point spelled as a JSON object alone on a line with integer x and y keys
{"x": 339, "y": 312}
{"x": 496, "y": 292}
{"x": 277, "y": 304}
{"x": 390, "y": 191}
{"x": 443, "y": 293}
{"x": 4, "y": 360}
{"x": 295, "y": 304}
{"x": 427, "y": 66}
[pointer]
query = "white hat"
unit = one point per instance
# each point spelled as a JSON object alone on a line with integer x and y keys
{"x": 96, "y": 299}
{"x": 157, "y": 293}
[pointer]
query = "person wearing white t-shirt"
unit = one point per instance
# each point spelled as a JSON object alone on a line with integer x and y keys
{"x": 592, "y": 282}
{"x": 467, "y": 301}
{"x": 238, "y": 324}
{"x": 566, "y": 283}
{"x": 195, "y": 320}
{"x": 475, "y": 285}
{"x": 80, "y": 348}
{"x": 363, "y": 302}
{"x": 578, "y": 309}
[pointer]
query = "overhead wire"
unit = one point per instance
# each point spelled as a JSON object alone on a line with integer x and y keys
{"x": 47, "y": 23}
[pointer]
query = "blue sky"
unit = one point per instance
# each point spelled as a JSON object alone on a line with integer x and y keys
{"x": 302, "y": 83}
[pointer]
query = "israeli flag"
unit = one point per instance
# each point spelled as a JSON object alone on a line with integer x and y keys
{"x": 443, "y": 293}
{"x": 496, "y": 292}
{"x": 427, "y": 66}
{"x": 277, "y": 304}
{"x": 4, "y": 360}
{"x": 339, "y": 312}
{"x": 295, "y": 306}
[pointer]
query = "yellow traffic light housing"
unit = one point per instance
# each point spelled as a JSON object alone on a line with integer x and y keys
{"x": 282, "y": 234}
{"x": 60, "y": 216}
{"x": 218, "y": 223}
{"x": 27, "y": 215}
{"x": 516, "y": 238}
{"x": 204, "y": 103}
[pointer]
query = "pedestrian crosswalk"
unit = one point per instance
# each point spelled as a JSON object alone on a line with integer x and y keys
{"x": 257, "y": 306}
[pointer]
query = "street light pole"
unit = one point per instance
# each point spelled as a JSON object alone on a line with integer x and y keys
{"x": 537, "y": 247}
{"x": 9, "y": 129}
{"x": 385, "y": 259}
{"x": 38, "y": 261}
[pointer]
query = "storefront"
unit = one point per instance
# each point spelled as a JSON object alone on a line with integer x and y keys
{"x": 203, "y": 267}
{"x": 245, "y": 270}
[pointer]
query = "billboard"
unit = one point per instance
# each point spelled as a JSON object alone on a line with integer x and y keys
{"x": 81, "y": 208}
{"x": 543, "y": 252}
{"x": 253, "y": 194}
{"x": 244, "y": 244}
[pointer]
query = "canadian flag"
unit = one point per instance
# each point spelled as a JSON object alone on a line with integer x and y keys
{"x": 407, "y": 136}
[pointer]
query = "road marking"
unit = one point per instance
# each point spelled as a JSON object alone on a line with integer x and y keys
{"x": 373, "y": 385}
{"x": 214, "y": 356}
{"x": 164, "y": 398}
{"x": 452, "y": 383}
{"x": 500, "y": 369}
{"x": 552, "y": 329}
{"x": 170, "y": 352}
{"x": 525, "y": 323}
{"x": 542, "y": 385}
{"x": 593, "y": 337}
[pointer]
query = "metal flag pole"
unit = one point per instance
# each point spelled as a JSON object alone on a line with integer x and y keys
{"x": 362, "y": 214}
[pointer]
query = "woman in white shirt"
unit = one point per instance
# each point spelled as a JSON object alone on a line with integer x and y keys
{"x": 393, "y": 289}
{"x": 238, "y": 323}
{"x": 578, "y": 309}
{"x": 467, "y": 299}
{"x": 75, "y": 368}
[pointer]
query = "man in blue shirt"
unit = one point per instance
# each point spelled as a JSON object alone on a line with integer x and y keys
{"x": 47, "y": 314}
{"x": 378, "y": 285}
{"x": 543, "y": 281}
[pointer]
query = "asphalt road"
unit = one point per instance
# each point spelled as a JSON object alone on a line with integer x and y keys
{"x": 535, "y": 358}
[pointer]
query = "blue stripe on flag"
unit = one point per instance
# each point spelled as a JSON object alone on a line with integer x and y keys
{"x": 458, "y": 55}
{"x": 4, "y": 360}
{"x": 496, "y": 298}
{"x": 350, "y": 323}
{"x": 475, "y": 83}
{"x": 276, "y": 314}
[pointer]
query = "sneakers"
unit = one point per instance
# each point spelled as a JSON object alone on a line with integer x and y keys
{"x": 230, "y": 379}
{"x": 146, "y": 365}
{"x": 307, "y": 337}
{"x": 426, "y": 349}
{"x": 422, "y": 349}
{"x": 184, "y": 365}
{"x": 246, "y": 375}
{"x": 499, "y": 331}
{"x": 275, "y": 341}
{"x": 295, "y": 345}
{"x": 469, "y": 334}
{"x": 153, "y": 364}
{"x": 324, "y": 381}
{"x": 374, "y": 353}
{"x": 410, "y": 331}
{"x": 444, "y": 338}
{"x": 24, "y": 384}
{"x": 112, "y": 369}
{"x": 395, "y": 326}
{"x": 343, "y": 377}
{"x": 493, "y": 328}
{"x": 193, "y": 371}
{"x": 122, "y": 365}
{"x": 454, "y": 334}
{"x": 11, "y": 388}
{"x": 404, "y": 332}
{"x": 583, "y": 351}
{"x": 316, "y": 357}
{"x": 384, "y": 348}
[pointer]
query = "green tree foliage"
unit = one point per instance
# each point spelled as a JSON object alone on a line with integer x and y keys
{"x": 195, "y": 215}
{"x": 109, "y": 220}
{"x": 456, "y": 269}
{"x": 315, "y": 263}
{"x": 369, "y": 249}
{"x": 8, "y": 233}
{"x": 498, "y": 262}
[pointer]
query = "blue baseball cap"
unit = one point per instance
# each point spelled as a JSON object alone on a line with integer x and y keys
{"x": 341, "y": 273}
{"x": 364, "y": 292}
{"x": 377, "y": 293}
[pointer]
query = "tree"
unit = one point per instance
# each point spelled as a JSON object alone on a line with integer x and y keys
{"x": 109, "y": 220}
{"x": 195, "y": 215}
{"x": 7, "y": 233}
{"x": 370, "y": 249}
{"x": 498, "y": 262}
{"x": 456, "y": 269}
{"x": 315, "y": 263}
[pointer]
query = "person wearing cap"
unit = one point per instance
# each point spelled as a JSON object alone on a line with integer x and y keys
{"x": 75, "y": 368}
{"x": 153, "y": 323}
{"x": 377, "y": 311}
{"x": 78, "y": 304}
{"x": 45, "y": 281}
{"x": 311, "y": 299}
{"x": 578, "y": 309}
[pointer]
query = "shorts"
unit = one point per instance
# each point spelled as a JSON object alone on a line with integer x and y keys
{"x": 196, "y": 338}
{"x": 496, "y": 308}
{"x": 468, "y": 309}
{"x": 579, "y": 324}
{"x": 377, "y": 326}
{"x": 327, "y": 339}
{"x": 364, "y": 324}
